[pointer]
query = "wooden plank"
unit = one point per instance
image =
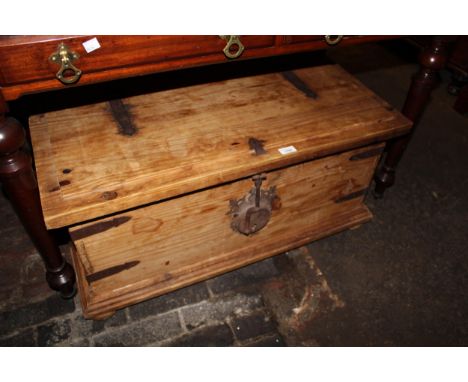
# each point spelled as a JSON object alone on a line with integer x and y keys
{"x": 192, "y": 138}
{"x": 152, "y": 250}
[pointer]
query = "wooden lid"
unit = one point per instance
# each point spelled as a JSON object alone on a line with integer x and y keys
{"x": 103, "y": 158}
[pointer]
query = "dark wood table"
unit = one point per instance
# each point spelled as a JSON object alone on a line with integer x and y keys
{"x": 31, "y": 64}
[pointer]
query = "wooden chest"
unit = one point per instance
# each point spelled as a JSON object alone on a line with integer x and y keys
{"x": 166, "y": 189}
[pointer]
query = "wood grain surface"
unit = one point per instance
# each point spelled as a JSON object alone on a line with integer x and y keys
{"x": 187, "y": 139}
{"x": 152, "y": 250}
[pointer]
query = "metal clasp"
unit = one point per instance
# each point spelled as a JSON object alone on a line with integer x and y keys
{"x": 232, "y": 42}
{"x": 252, "y": 212}
{"x": 64, "y": 57}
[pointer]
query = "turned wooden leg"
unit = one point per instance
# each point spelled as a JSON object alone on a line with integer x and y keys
{"x": 432, "y": 60}
{"x": 19, "y": 182}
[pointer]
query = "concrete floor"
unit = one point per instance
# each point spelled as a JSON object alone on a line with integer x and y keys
{"x": 400, "y": 280}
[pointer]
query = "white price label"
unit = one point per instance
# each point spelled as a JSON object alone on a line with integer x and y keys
{"x": 287, "y": 150}
{"x": 91, "y": 45}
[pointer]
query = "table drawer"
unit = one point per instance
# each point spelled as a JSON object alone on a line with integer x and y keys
{"x": 26, "y": 59}
{"x": 25, "y": 66}
{"x": 142, "y": 253}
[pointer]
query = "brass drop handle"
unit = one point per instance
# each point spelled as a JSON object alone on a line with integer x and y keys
{"x": 333, "y": 40}
{"x": 64, "y": 57}
{"x": 232, "y": 42}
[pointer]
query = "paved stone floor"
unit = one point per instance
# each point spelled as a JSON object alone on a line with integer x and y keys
{"x": 401, "y": 279}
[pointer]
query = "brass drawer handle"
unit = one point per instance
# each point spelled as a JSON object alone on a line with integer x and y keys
{"x": 252, "y": 212}
{"x": 232, "y": 43}
{"x": 333, "y": 40}
{"x": 64, "y": 57}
